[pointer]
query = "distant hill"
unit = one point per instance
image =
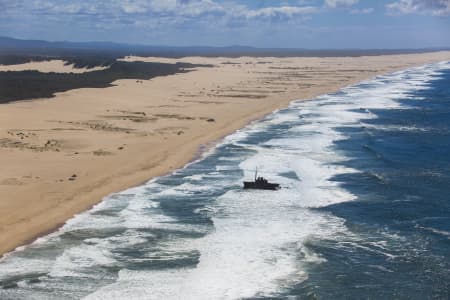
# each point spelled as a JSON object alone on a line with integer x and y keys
{"x": 12, "y": 46}
{"x": 39, "y": 47}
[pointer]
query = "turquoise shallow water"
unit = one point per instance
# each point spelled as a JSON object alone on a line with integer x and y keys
{"x": 363, "y": 213}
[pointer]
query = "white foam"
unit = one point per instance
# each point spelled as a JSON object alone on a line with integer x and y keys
{"x": 77, "y": 259}
{"x": 252, "y": 251}
{"x": 195, "y": 177}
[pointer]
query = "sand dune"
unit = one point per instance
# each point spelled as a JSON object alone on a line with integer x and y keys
{"x": 60, "y": 156}
{"x": 56, "y": 65}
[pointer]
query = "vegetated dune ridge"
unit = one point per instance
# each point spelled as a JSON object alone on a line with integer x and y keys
{"x": 62, "y": 155}
{"x": 29, "y": 84}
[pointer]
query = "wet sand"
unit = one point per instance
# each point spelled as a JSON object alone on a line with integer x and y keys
{"x": 62, "y": 155}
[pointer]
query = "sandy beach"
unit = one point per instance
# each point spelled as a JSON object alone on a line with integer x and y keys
{"x": 62, "y": 155}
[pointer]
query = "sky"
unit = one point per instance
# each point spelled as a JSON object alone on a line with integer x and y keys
{"x": 311, "y": 24}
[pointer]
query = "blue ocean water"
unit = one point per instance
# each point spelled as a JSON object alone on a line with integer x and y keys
{"x": 364, "y": 212}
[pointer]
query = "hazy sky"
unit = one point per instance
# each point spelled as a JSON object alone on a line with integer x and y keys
{"x": 261, "y": 23}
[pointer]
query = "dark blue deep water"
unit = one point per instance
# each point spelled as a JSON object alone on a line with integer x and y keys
{"x": 364, "y": 212}
{"x": 402, "y": 209}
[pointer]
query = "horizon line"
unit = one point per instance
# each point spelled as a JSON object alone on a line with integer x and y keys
{"x": 223, "y": 46}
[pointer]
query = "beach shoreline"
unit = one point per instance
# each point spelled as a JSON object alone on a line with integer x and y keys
{"x": 118, "y": 137}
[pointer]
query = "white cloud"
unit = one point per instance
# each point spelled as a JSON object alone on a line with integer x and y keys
{"x": 362, "y": 11}
{"x": 337, "y": 3}
{"x": 159, "y": 14}
{"x": 132, "y": 7}
{"x": 180, "y": 7}
{"x": 197, "y": 8}
{"x": 174, "y": 8}
{"x": 431, "y": 7}
{"x": 64, "y": 7}
{"x": 230, "y": 9}
{"x": 283, "y": 11}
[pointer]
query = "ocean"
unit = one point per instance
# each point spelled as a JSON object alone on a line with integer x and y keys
{"x": 363, "y": 213}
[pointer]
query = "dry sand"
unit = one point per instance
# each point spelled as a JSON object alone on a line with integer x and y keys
{"x": 60, "y": 156}
{"x": 56, "y": 65}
